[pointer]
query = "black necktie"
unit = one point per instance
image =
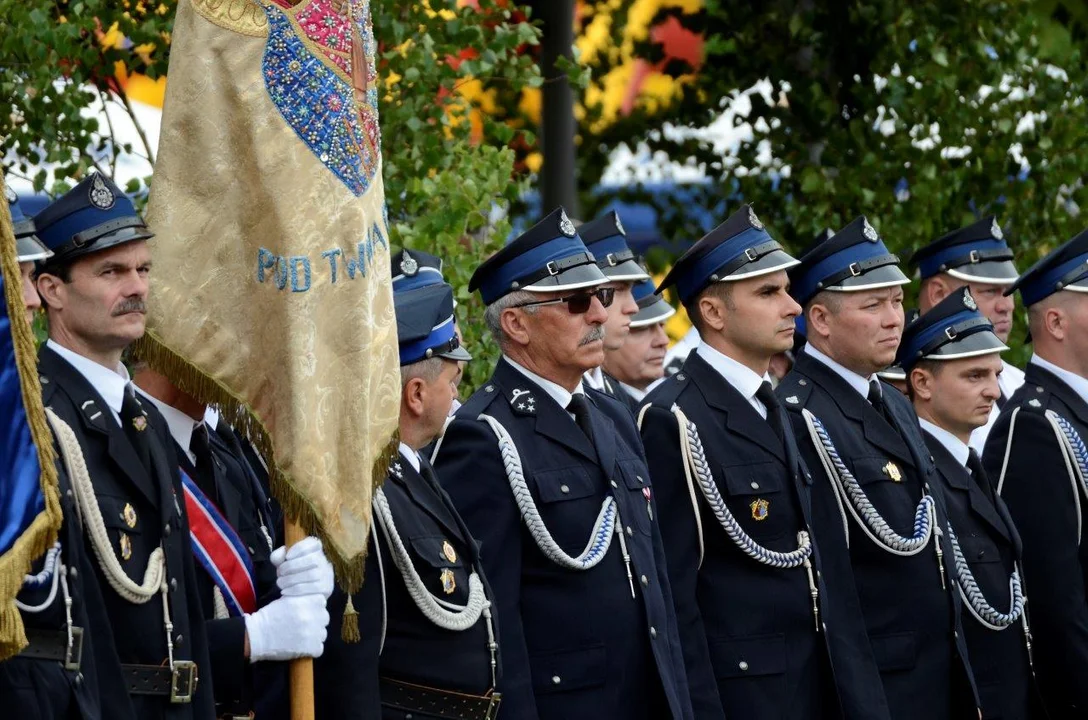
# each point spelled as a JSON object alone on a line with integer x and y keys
{"x": 774, "y": 410}
{"x": 579, "y": 407}
{"x": 1001, "y": 400}
{"x": 137, "y": 429}
{"x": 201, "y": 448}
{"x": 974, "y": 464}
{"x": 876, "y": 397}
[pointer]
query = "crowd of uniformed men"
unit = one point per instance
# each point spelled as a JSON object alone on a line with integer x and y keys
{"x": 583, "y": 539}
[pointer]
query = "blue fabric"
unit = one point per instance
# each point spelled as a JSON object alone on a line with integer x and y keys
{"x": 805, "y": 281}
{"x": 528, "y": 262}
{"x": 930, "y": 266}
{"x": 1044, "y": 284}
{"x": 58, "y": 233}
{"x": 415, "y": 351}
{"x": 698, "y": 275}
{"x": 20, "y": 485}
{"x": 909, "y": 351}
{"x": 611, "y": 244}
{"x": 424, "y": 278}
{"x": 643, "y": 289}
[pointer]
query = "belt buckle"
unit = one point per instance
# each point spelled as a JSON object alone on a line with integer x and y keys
{"x": 493, "y": 706}
{"x": 73, "y": 655}
{"x": 183, "y": 681}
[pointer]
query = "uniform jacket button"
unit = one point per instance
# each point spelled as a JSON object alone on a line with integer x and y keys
{"x": 743, "y": 665}
{"x": 173, "y": 584}
{"x": 564, "y": 489}
{"x": 179, "y": 640}
{"x": 653, "y": 632}
{"x": 73, "y": 573}
{"x": 630, "y": 532}
{"x": 614, "y": 484}
{"x": 755, "y": 485}
{"x": 645, "y": 580}
{"x": 166, "y": 530}
{"x": 556, "y": 679}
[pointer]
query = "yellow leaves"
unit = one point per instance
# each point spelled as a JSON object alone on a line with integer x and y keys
{"x": 534, "y": 161}
{"x": 530, "y": 103}
{"x": 596, "y": 37}
{"x": 113, "y": 38}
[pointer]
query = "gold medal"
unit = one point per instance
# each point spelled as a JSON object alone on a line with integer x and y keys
{"x": 140, "y": 423}
{"x": 447, "y": 551}
{"x": 129, "y": 515}
{"x": 892, "y": 471}
{"x": 760, "y": 509}
{"x": 449, "y": 582}
{"x": 126, "y": 547}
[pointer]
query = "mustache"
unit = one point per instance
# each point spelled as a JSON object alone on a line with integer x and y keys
{"x": 130, "y": 305}
{"x": 595, "y": 334}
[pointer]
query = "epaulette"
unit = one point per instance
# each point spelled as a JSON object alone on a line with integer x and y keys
{"x": 479, "y": 402}
{"x": 794, "y": 391}
{"x": 1036, "y": 399}
{"x": 666, "y": 394}
{"x": 48, "y": 388}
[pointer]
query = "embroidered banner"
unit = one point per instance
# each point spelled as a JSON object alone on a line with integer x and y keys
{"x": 270, "y": 291}
{"x": 219, "y": 550}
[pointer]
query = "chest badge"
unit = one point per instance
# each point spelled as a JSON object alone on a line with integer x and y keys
{"x": 761, "y": 509}
{"x": 140, "y": 423}
{"x": 447, "y": 551}
{"x": 126, "y": 547}
{"x": 129, "y": 515}
{"x": 892, "y": 471}
{"x": 449, "y": 581}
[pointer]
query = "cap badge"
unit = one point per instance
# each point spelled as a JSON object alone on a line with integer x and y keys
{"x": 868, "y": 231}
{"x": 892, "y": 471}
{"x": 565, "y": 225}
{"x": 760, "y": 509}
{"x": 101, "y": 196}
{"x": 969, "y": 302}
{"x": 447, "y": 551}
{"x": 995, "y": 230}
{"x": 619, "y": 225}
{"x": 408, "y": 264}
{"x": 753, "y": 219}
{"x": 449, "y": 582}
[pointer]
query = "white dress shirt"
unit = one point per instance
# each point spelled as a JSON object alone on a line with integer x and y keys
{"x": 741, "y": 377}
{"x": 951, "y": 443}
{"x": 410, "y": 455}
{"x": 858, "y": 382}
{"x": 181, "y": 426}
{"x": 634, "y": 392}
{"x": 594, "y": 378}
{"x": 556, "y": 391}
{"x": 1010, "y": 380}
{"x": 110, "y": 384}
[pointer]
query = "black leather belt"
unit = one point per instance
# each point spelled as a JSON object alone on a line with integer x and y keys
{"x": 438, "y": 703}
{"x": 53, "y": 645}
{"x": 178, "y": 684}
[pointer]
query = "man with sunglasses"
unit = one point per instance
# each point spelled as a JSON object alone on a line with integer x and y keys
{"x": 551, "y": 479}
{"x": 735, "y": 506}
{"x": 606, "y": 240}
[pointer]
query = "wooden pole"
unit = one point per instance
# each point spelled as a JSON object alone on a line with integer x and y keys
{"x": 302, "y": 670}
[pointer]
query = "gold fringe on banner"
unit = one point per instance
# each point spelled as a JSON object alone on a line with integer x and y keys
{"x": 42, "y": 533}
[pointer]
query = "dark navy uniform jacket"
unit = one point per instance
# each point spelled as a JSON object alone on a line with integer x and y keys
{"x": 230, "y": 487}
{"x": 1043, "y": 503}
{"x": 575, "y": 644}
{"x": 748, "y": 630}
{"x": 991, "y": 547}
{"x": 614, "y": 389}
{"x": 913, "y": 623}
{"x": 120, "y": 479}
{"x": 36, "y": 688}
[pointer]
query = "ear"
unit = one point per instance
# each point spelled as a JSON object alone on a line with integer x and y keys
{"x": 712, "y": 310}
{"x": 818, "y": 320}
{"x": 51, "y": 289}
{"x": 922, "y": 382}
{"x": 413, "y": 397}
{"x": 938, "y": 289}
{"x": 515, "y": 325}
{"x": 1056, "y": 322}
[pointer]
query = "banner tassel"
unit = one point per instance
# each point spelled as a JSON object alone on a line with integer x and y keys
{"x": 349, "y": 628}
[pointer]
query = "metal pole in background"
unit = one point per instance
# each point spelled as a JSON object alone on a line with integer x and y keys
{"x": 558, "y": 181}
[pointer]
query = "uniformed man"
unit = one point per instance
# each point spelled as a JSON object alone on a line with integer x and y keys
{"x": 638, "y": 366}
{"x": 976, "y": 257}
{"x": 95, "y": 289}
{"x": 606, "y": 241}
{"x": 734, "y": 499}
{"x": 239, "y": 577}
{"x": 1035, "y": 457}
{"x": 953, "y": 361}
{"x": 872, "y": 486}
{"x": 69, "y": 668}
{"x": 550, "y": 477}
{"x": 895, "y": 375}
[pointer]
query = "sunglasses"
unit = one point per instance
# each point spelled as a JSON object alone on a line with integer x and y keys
{"x": 578, "y": 304}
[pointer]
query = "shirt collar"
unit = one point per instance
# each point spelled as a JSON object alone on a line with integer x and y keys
{"x": 739, "y": 376}
{"x": 211, "y": 418}
{"x": 858, "y": 382}
{"x": 410, "y": 455}
{"x": 110, "y": 384}
{"x": 1010, "y": 379}
{"x": 634, "y": 392}
{"x": 951, "y": 443}
{"x": 1078, "y": 383}
{"x": 181, "y": 426}
{"x": 556, "y": 391}
{"x": 594, "y": 378}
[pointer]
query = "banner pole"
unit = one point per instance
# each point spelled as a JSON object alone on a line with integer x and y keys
{"x": 302, "y": 669}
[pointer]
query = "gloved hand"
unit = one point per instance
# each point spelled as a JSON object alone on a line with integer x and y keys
{"x": 288, "y": 628}
{"x": 303, "y": 569}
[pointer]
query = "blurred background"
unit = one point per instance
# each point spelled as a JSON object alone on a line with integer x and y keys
{"x": 922, "y": 116}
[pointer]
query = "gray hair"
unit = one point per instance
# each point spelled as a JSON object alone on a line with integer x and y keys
{"x": 426, "y": 370}
{"x": 493, "y": 312}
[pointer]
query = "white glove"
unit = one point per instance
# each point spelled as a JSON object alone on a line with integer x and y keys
{"x": 288, "y": 628}
{"x": 303, "y": 569}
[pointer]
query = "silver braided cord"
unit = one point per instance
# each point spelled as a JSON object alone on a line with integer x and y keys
{"x": 50, "y": 574}
{"x": 695, "y": 456}
{"x": 871, "y": 522}
{"x": 603, "y": 530}
{"x": 974, "y": 598}
{"x": 1076, "y": 459}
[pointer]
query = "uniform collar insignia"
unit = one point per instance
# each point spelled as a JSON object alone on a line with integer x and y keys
{"x": 793, "y": 400}
{"x": 523, "y": 402}
{"x": 1034, "y": 403}
{"x": 397, "y": 470}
